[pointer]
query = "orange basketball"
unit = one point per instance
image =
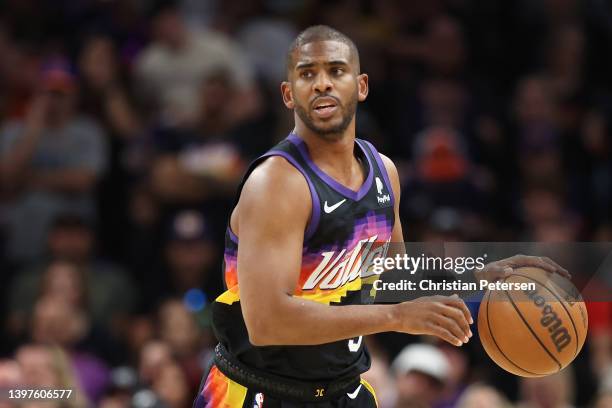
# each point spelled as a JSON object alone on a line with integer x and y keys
{"x": 536, "y": 331}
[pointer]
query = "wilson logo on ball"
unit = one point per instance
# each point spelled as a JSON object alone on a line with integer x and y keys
{"x": 550, "y": 320}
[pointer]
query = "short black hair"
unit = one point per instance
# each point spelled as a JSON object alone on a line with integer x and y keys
{"x": 320, "y": 33}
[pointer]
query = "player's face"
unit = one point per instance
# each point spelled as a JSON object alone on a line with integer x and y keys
{"x": 325, "y": 87}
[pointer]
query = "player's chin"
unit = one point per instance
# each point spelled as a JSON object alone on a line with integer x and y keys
{"x": 330, "y": 132}
{"x": 328, "y": 124}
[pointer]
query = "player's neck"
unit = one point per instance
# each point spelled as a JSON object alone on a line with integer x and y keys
{"x": 334, "y": 156}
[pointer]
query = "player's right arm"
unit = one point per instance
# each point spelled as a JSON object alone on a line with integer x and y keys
{"x": 271, "y": 217}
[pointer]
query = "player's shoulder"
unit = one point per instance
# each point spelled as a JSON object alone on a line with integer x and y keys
{"x": 387, "y": 161}
{"x": 276, "y": 172}
{"x": 276, "y": 177}
{"x": 389, "y": 165}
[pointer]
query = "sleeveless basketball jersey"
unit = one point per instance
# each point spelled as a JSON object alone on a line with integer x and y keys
{"x": 347, "y": 230}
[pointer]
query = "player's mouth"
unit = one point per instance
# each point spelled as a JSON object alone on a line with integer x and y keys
{"x": 324, "y": 107}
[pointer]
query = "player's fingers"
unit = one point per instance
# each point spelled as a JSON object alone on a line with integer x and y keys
{"x": 457, "y": 302}
{"x": 458, "y": 317}
{"x": 450, "y": 323}
{"x": 444, "y": 334}
{"x": 497, "y": 272}
{"x": 559, "y": 269}
{"x": 506, "y": 271}
{"x": 525, "y": 260}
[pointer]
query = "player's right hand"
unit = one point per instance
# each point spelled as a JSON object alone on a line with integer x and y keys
{"x": 446, "y": 317}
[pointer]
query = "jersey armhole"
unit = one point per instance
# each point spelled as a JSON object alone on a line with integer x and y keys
{"x": 315, "y": 214}
{"x": 382, "y": 168}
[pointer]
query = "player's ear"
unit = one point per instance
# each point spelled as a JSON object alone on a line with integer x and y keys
{"x": 362, "y": 87}
{"x": 287, "y": 94}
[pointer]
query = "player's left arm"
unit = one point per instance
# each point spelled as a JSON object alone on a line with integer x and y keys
{"x": 397, "y": 235}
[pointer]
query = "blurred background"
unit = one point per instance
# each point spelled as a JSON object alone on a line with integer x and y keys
{"x": 125, "y": 127}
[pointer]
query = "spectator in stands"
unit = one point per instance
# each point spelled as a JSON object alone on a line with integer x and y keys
{"x": 171, "y": 386}
{"x": 45, "y": 366}
{"x": 537, "y": 130}
{"x": 202, "y": 162}
{"x": 10, "y": 373}
{"x": 106, "y": 96}
{"x": 441, "y": 94}
{"x": 546, "y": 217}
{"x": 60, "y": 276}
{"x": 482, "y": 396}
{"x": 445, "y": 50}
{"x": 440, "y": 48}
{"x": 72, "y": 269}
{"x": 443, "y": 175}
{"x": 11, "y": 377}
{"x": 421, "y": 372}
{"x": 56, "y": 321}
{"x": 553, "y": 391}
{"x": 19, "y": 76}
{"x": 190, "y": 257}
{"x": 153, "y": 355}
{"x": 600, "y": 336}
{"x": 144, "y": 233}
{"x": 171, "y": 69}
{"x": 123, "y": 385}
{"x": 50, "y": 161}
{"x": 264, "y": 40}
{"x": 564, "y": 70}
{"x": 380, "y": 378}
{"x": 596, "y": 165}
{"x": 179, "y": 330}
{"x": 205, "y": 161}
{"x": 458, "y": 373}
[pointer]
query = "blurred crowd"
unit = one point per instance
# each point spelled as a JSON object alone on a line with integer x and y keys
{"x": 125, "y": 127}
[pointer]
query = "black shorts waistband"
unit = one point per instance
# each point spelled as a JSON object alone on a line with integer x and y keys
{"x": 278, "y": 387}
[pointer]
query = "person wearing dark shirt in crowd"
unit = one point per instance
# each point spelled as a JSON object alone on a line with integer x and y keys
{"x": 50, "y": 162}
{"x": 107, "y": 291}
{"x": 206, "y": 161}
{"x": 106, "y": 97}
{"x": 200, "y": 166}
{"x": 190, "y": 259}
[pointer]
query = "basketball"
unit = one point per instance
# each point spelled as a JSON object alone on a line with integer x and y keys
{"x": 533, "y": 332}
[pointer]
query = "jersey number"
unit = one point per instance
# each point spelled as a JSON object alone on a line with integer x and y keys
{"x": 354, "y": 345}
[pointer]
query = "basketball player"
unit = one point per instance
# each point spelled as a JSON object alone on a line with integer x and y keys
{"x": 290, "y": 325}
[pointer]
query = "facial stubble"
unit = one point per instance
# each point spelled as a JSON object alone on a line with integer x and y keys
{"x": 334, "y": 132}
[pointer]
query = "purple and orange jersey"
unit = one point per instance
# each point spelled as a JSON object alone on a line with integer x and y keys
{"x": 347, "y": 231}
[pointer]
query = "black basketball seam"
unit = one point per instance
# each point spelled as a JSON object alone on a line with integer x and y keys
{"x": 532, "y": 332}
{"x": 495, "y": 341}
{"x": 560, "y": 301}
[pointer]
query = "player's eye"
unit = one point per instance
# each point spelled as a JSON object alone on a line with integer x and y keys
{"x": 337, "y": 71}
{"x": 306, "y": 74}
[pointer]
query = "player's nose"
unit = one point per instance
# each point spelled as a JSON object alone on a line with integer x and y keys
{"x": 322, "y": 83}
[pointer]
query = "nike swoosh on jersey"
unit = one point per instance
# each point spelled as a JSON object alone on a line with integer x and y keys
{"x": 353, "y": 395}
{"x": 329, "y": 209}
